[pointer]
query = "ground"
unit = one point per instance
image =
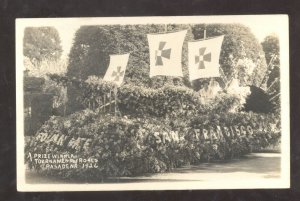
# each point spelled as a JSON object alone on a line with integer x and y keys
{"x": 252, "y": 166}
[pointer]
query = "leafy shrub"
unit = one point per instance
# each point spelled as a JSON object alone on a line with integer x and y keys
{"x": 41, "y": 43}
{"x": 45, "y": 67}
{"x": 93, "y": 44}
{"x": 128, "y": 146}
{"x": 167, "y": 101}
{"x": 39, "y": 71}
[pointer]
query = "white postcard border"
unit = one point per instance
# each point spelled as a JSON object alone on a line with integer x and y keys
{"x": 282, "y": 182}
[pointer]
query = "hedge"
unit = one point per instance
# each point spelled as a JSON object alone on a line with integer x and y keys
{"x": 169, "y": 100}
{"x": 130, "y": 146}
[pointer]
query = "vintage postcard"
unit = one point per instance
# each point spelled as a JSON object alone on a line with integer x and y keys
{"x": 152, "y": 103}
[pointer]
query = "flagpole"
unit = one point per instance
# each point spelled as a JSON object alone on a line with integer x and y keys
{"x": 204, "y": 37}
{"x": 116, "y": 89}
{"x": 65, "y": 105}
{"x": 104, "y": 100}
{"x": 109, "y": 100}
{"x": 116, "y": 99}
{"x": 166, "y": 30}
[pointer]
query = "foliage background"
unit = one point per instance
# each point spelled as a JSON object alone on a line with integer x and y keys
{"x": 41, "y": 43}
{"x": 93, "y": 45}
{"x": 271, "y": 48}
{"x": 240, "y": 50}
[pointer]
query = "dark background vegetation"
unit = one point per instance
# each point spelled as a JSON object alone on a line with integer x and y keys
{"x": 41, "y": 43}
{"x": 92, "y": 46}
{"x": 9, "y": 10}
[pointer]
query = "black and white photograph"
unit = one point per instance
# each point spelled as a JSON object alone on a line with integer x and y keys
{"x": 152, "y": 103}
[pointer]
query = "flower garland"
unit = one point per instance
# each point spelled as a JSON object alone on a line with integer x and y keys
{"x": 129, "y": 145}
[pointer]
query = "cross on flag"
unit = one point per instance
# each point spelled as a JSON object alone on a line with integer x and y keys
{"x": 117, "y": 74}
{"x": 162, "y": 53}
{"x": 204, "y": 57}
{"x": 165, "y": 53}
{"x": 116, "y": 69}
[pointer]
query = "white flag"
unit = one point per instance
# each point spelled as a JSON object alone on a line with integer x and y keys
{"x": 165, "y": 53}
{"x": 204, "y": 57}
{"x": 116, "y": 69}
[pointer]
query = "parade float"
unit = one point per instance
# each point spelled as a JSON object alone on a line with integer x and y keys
{"x": 120, "y": 128}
